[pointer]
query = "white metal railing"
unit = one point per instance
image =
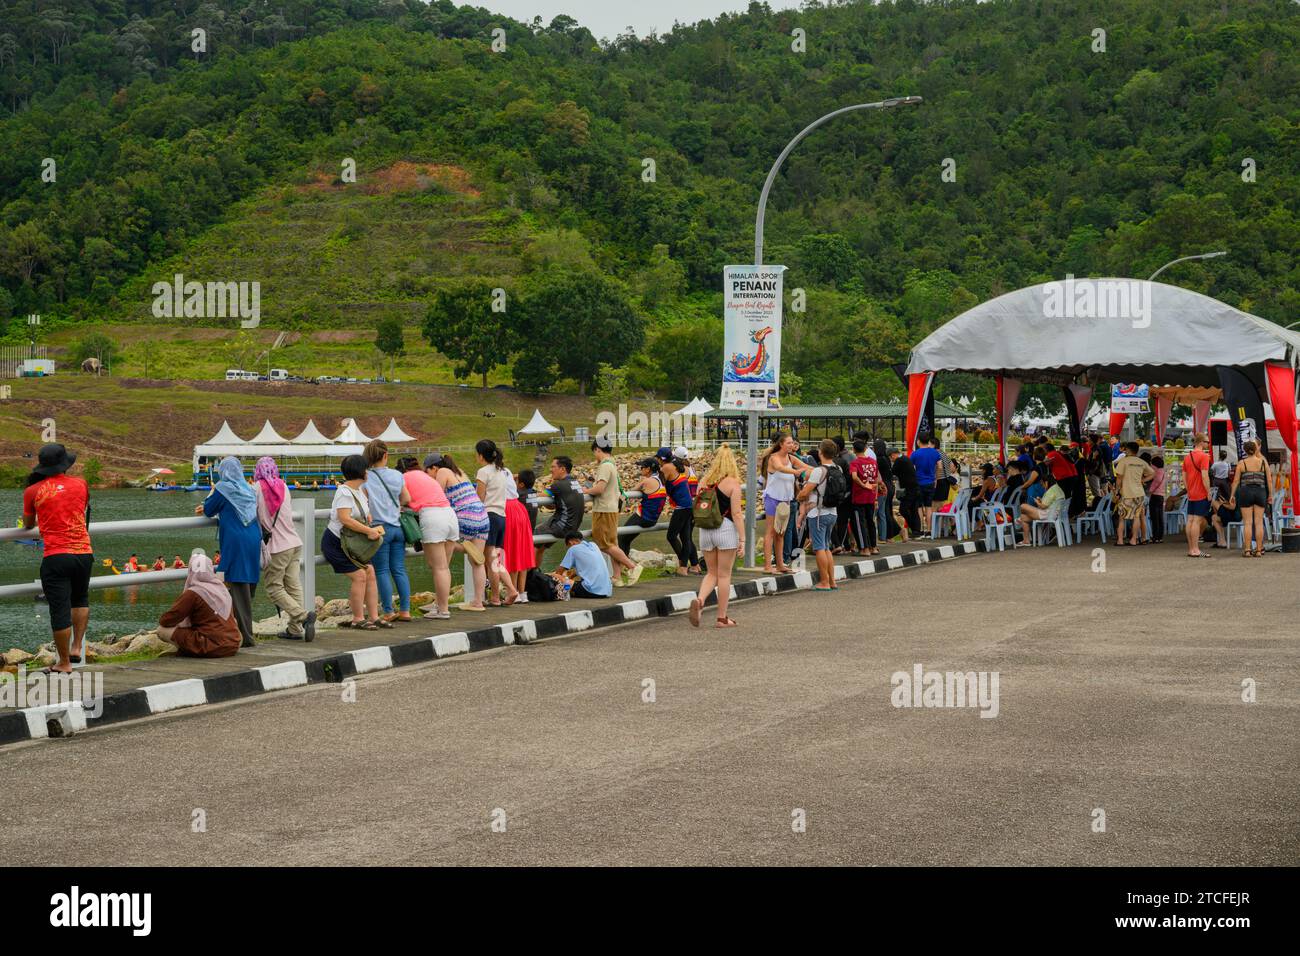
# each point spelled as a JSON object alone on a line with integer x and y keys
{"x": 304, "y": 517}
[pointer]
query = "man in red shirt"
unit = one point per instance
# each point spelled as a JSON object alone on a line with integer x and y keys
{"x": 58, "y": 505}
{"x": 1196, "y": 479}
{"x": 1065, "y": 474}
{"x": 864, "y": 471}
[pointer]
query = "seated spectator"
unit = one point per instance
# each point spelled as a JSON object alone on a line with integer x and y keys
{"x": 202, "y": 621}
{"x": 589, "y": 574}
{"x": 1036, "y": 503}
{"x": 568, "y": 502}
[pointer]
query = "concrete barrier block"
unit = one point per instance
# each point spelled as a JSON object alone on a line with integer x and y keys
{"x": 448, "y": 645}
{"x": 180, "y": 693}
{"x": 280, "y": 676}
{"x": 372, "y": 659}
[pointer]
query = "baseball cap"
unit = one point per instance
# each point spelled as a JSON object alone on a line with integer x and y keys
{"x": 433, "y": 459}
{"x": 664, "y": 454}
{"x": 681, "y": 452}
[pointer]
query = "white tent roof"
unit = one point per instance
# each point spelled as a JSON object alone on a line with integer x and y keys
{"x": 1166, "y": 334}
{"x": 537, "y": 425}
{"x": 351, "y": 432}
{"x": 311, "y": 435}
{"x": 394, "y": 433}
{"x": 225, "y": 436}
{"x": 696, "y": 406}
{"x": 267, "y": 436}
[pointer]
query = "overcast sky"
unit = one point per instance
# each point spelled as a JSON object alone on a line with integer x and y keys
{"x": 608, "y": 18}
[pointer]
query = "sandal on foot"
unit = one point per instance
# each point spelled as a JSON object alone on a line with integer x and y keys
{"x": 725, "y": 622}
{"x": 694, "y": 612}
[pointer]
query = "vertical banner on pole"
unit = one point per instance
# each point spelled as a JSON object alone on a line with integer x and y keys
{"x": 1164, "y": 408}
{"x": 920, "y": 407}
{"x": 1077, "y": 399}
{"x": 1200, "y": 417}
{"x": 1245, "y": 408}
{"x": 751, "y": 369}
{"x": 1008, "y": 395}
{"x": 1116, "y": 422}
{"x": 1282, "y": 396}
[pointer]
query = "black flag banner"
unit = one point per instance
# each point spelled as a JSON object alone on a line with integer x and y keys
{"x": 1245, "y": 408}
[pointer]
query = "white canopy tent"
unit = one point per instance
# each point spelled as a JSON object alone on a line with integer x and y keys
{"x": 393, "y": 434}
{"x": 311, "y": 435}
{"x": 696, "y": 406}
{"x": 267, "y": 436}
{"x": 537, "y": 425}
{"x": 351, "y": 433}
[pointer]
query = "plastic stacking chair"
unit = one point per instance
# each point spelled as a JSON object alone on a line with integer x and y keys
{"x": 985, "y": 510}
{"x": 999, "y": 534}
{"x": 1176, "y": 520}
{"x": 956, "y": 514}
{"x": 1096, "y": 519}
{"x": 1057, "y": 522}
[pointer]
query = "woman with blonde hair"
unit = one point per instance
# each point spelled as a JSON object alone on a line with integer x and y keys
{"x": 719, "y": 488}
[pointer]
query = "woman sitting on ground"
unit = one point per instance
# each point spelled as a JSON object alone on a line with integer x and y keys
{"x": 202, "y": 621}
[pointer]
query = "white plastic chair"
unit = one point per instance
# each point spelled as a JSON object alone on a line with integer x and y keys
{"x": 1057, "y": 522}
{"x": 999, "y": 533}
{"x": 1096, "y": 518}
{"x": 956, "y": 514}
{"x": 1176, "y": 520}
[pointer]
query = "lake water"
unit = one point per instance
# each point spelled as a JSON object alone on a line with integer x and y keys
{"x": 24, "y": 622}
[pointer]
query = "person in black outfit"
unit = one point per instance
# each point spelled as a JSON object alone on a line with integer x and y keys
{"x": 908, "y": 491}
{"x": 569, "y": 504}
{"x": 844, "y": 510}
{"x": 886, "y": 525}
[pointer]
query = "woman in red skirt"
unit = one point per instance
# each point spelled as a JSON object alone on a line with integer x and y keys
{"x": 519, "y": 537}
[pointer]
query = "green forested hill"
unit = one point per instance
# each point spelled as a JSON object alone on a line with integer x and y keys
{"x": 1065, "y": 159}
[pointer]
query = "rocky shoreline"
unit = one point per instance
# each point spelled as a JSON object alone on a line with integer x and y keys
{"x": 329, "y": 614}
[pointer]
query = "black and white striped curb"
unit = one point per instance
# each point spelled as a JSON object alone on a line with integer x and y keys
{"x": 65, "y": 718}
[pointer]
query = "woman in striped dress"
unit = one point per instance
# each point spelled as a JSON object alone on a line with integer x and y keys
{"x": 472, "y": 519}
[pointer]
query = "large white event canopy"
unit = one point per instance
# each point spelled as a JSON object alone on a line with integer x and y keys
{"x": 310, "y": 443}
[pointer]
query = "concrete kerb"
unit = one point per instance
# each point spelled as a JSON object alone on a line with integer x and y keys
{"x": 63, "y": 719}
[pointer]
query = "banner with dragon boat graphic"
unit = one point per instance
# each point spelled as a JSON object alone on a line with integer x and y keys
{"x": 751, "y": 371}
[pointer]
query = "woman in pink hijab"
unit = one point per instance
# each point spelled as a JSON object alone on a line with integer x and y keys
{"x": 281, "y": 550}
{"x": 201, "y": 622}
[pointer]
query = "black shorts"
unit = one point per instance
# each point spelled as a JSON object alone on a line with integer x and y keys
{"x": 65, "y": 579}
{"x": 925, "y": 494}
{"x": 1251, "y": 496}
{"x": 496, "y": 530}
{"x": 332, "y": 550}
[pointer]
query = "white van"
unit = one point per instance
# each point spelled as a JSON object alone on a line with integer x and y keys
{"x": 234, "y": 374}
{"x": 279, "y": 375}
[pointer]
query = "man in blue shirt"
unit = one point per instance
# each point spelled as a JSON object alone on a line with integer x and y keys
{"x": 585, "y": 559}
{"x": 926, "y": 459}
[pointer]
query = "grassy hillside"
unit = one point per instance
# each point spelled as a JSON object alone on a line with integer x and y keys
{"x": 132, "y": 425}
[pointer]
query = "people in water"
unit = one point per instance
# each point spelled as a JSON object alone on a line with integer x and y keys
{"x": 159, "y": 564}
{"x": 132, "y": 565}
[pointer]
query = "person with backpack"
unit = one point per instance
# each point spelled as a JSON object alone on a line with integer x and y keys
{"x": 721, "y": 537}
{"x": 845, "y": 527}
{"x": 823, "y": 492}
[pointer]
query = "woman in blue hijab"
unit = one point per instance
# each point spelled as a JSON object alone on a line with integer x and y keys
{"x": 239, "y": 539}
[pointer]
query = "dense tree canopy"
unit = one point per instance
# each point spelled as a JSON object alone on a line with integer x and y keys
{"x": 1036, "y": 154}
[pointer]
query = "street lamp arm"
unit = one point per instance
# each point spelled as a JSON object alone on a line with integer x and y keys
{"x": 1203, "y": 255}
{"x": 776, "y": 166}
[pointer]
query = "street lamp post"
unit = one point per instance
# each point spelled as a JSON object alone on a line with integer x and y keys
{"x": 751, "y": 426}
{"x": 1203, "y": 255}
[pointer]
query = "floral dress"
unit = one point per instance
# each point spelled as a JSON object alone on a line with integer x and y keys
{"x": 470, "y": 513}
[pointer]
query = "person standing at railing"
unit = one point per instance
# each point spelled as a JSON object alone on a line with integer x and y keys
{"x": 58, "y": 506}
{"x": 568, "y": 501}
{"x": 681, "y": 526}
{"x": 491, "y": 480}
{"x": 518, "y": 548}
{"x": 282, "y": 574}
{"x": 471, "y": 521}
{"x": 233, "y": 503}
{"x": 350, "y": 510}
{"x": 387, "y": 493}
{"x": 201, "y": 623}
{"x": 439, "y": 529}
{"x": 648, "y": 508}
